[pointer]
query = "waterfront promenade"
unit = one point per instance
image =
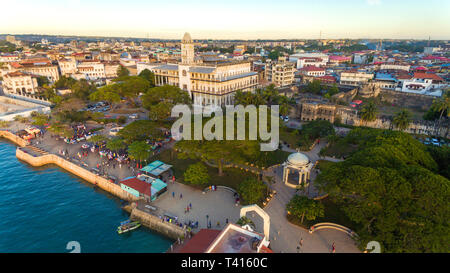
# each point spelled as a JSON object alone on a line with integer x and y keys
{"x": 220, "y": 205}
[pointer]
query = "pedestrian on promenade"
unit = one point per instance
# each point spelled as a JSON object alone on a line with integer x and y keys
{"x": 190, "y": 205}
{"x": 301, "y": 242}
{"x": 173, "y": 194}
{"x": 181, "y": 196}
{"x": 226, "y": 221}
{"x": 333, "y": 248}
{"x": 218, "y": 223}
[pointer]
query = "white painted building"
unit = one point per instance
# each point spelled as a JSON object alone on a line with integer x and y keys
{"x": 19, "y": 83}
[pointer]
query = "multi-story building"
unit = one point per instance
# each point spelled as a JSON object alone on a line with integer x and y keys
{"x": 19, "y": 83}
{"x": 212, "y": 83}
{"x": 39, "y": 67}
{"x": 281, "y": 72}
{"x": 355, "y": 78}
{"x": 313, "y": 71}
{"x": 91, "y": 70}
{"x": 111, "y": 69}
{"x": 67, "y": 66}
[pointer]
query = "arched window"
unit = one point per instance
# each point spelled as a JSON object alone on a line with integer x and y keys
{"x": 184, "y": 73}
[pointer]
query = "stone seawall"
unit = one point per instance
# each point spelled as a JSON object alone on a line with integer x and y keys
{"x": 155, "y": 223}
{"x": 14, "y": 138}
{"x": 79, "y": 171}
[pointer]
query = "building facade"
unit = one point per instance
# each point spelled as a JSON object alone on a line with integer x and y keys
{"x": 212, "y": 83}
{"x": 281, "y": 72}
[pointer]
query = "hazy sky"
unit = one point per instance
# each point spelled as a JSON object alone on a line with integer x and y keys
{"x": 229, "y": 19}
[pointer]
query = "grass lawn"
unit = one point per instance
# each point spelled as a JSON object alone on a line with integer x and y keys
{"x": 340, "y": 149}
{"x": 287, "y": 135}
{"x": 231, "y": 177}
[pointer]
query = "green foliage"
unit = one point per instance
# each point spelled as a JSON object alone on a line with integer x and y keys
{"x": 61, "y": 130}
{"x": 8, "y": 47}
{"x": 98, "y": 139}
{"x": 302, "y": 206}
{"x": 65, "y": 82}
{"x": 4, "y": 124}
{"x": 39, "y": 119}
{"x": 252, "y": 191}
{"x": 197, "y": 174}
{"x": 245, "y": 221}
{"x": 369, "y": 112}
{"x": 314, "y": 130}
{"x": 389, "y": 188}
{"x": 149, "y": 76}
{"x": 109, "y": 93}
{"x": 122, "y": 71}
{"x": 314, "y": 87}
{"x": 139, "y": 150}
{"x": 402, "y": 119}
{"x": 160, "y": 100}
{"x": 442, "y": 157}
{"x": 140, "y": 130}
{"x": 115, "y": 144}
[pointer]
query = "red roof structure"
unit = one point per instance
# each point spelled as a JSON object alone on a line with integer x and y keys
{"x": 139, "y": 185}
{"x": 200, "y": 242}
{"x": 422, "y": 75}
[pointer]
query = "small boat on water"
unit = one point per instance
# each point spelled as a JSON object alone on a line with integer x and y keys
{"x": 126, "y": 226}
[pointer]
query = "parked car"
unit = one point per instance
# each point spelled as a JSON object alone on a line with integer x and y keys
{"x": 134, "y": 116}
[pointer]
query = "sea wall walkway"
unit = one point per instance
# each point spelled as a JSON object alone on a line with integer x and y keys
{"x": 79, "y": 171}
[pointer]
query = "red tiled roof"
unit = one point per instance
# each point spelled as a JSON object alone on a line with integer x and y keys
{"x": 422, "y": 75}
{"x": 200, "y": 242}
{"x": 139, "y": 185}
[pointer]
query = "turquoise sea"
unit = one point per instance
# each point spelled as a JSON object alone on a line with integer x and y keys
{"x": 43, "y": 209}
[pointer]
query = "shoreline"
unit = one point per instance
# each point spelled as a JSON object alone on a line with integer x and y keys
{"x": 150, "y": 221}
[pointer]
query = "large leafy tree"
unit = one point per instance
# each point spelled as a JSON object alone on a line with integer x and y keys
{"x": 197, "y": 174}
{"x": 115, "y": 144}
{"x": 149, "y": 76}
{"x": 252, "y": 191}
{"x": 160, "y": 100}
{"x": 402, "y": 120}
{"x": 140, "y": 130}
{"x": 302, "y": 206}
{"x": 390, "y": 189}
{"x": 109, "y": 93}
{"x": 122, "y": 71}
{"x": 139, "y": 150}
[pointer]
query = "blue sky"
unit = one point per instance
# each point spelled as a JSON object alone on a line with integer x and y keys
{"x": 230, "y": 19}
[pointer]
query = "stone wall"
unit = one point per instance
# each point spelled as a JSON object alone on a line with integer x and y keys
{"x": 407, "y": 100}
{"x": 79, "y": 171}
{"x": 14, "y": 138}
{"x": 155, "y": 223}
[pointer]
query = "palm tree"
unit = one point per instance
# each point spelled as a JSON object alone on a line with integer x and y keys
{"x": 369, "y": 112}
{"x": 402, "y": 119}
{"x": 442, "y": 104}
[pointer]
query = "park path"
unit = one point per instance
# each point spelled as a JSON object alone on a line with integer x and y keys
{"x": 285, "y": 237}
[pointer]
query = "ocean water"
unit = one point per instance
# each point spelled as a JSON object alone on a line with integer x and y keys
{"x": 43, "y": 209}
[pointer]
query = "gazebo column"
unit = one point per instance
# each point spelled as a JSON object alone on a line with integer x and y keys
{"x": 286, "y": 175}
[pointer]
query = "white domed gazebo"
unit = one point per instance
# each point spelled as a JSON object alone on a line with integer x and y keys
{"x": 297, "y": 162}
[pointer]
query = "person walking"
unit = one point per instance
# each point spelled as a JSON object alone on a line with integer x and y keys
{"x": 173, "y": 194}
{"x": 181, "y": 196}
{"x": 333, "y": 248}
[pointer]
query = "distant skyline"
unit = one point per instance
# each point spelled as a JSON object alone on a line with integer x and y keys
{"x": 232, "y": 19}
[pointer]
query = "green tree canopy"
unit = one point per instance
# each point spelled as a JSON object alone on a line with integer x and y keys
{"x": 140, "y": 130}
{"x": 302, "y": 206}
{"x": 160, "y": 100}
{"x": 115, "y": 144}
{"x": 139, "y": 150}
{"x": 122, "y": 71}
{"x": 369, "y": 112}
{"x": 197, "y": 174}
{"x": 252, "y": 191}
{"x": 402, "y": 119}
{"x": 390, "y": 189}
{"x": 149, "y": 76}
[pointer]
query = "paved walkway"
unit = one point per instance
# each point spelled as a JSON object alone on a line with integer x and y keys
{"x": 285, "y": 237}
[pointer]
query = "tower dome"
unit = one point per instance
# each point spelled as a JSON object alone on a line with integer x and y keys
{"x": 186, "y": 38}
{"x": 298, "y": 159}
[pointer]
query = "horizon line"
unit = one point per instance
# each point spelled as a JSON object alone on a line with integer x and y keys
{"x": 206, "y": 39}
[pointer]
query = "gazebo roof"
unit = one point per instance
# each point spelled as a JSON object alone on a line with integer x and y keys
{"x": 298, "y": 159}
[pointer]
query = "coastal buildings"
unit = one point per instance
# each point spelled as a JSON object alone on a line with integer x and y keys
{"x": 212, "y": 83}
{"x": 19, "y": 83}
